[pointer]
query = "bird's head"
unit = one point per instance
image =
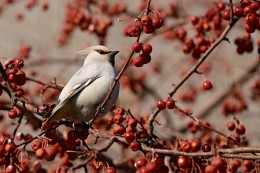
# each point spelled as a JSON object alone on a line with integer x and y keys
{"x": 97, "y": 53}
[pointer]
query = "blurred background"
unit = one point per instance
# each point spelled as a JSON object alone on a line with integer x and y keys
{"x": 36, "y": 31}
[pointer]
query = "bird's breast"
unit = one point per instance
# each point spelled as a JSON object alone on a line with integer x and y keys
{"x": 94, "y": 94}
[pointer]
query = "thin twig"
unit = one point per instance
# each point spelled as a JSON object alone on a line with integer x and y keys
{"x": 15, "y": 101}
{"x": 55, "y": 86}
{"x": 107, "y": 146}
{"x": 84, "y": 163}
{"x": 206, "y": 126}
{"x": 226, "y": 153}
{"x": 119, "y": 74}
{"x": 42, "y": 133}
{"x": 18, "y": 125}
{"x": 187, "y": 76}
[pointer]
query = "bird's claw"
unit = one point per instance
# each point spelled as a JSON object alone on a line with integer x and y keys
{"x": 100, "y": 109}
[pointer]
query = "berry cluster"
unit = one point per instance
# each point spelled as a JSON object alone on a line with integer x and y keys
{"x": 156, "y": 164}
{"x": 144, "y": 57}
{"x": 212, "y": 21}
{"x": 239, "y": 128}
{"x": 205, "y": 26}
{"x": 147, "y": 23}
{"x": 244, "y": 44}
{"x": 15, "y": 75}
{"x": 129, "y": 127}
{"x": 208, "y": 138}
{"x": 248, "y": 9}
{"x": 234, "y": 104}
{"x": 169, "y": 104}
{"x": 79, "y": 16}
{"x": 9, "y": 159}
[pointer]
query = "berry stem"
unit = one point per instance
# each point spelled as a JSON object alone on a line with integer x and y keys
{"x": 188, "y": 75}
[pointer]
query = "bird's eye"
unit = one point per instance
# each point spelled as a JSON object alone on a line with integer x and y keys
{"x": 102, "y": 52}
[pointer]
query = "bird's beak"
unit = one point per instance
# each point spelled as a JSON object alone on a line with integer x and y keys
{"x": 114, "y": 52}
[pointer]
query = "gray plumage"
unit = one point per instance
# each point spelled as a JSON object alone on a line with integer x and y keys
{"x": 88, "y": 87}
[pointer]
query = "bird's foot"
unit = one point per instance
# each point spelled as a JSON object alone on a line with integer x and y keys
{"x": 100, "y": 109}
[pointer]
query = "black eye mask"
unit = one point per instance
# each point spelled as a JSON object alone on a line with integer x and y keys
{"x": 102, "y": 52}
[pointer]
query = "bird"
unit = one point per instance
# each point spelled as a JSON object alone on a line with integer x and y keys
{"x": 88, "y": 87}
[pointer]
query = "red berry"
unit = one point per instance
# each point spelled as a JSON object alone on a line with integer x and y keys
{"x": 132, "y": 122}
{"x": 163, "y": 169}
{"x": 118, "y": 130}
{"x": 157, "y": 22}
{"x": 2, "y": 150}
{"x": 142, "y": 135}
{"x": 129, "y": 136}
{"x": 146, "y": 58}
{"x": 18, "y": 62}
{"x": 194, "y": 20}
{"x": 134, "y": 146}
{"x": 220, "y": 5}
{"x": 10, "y": 147}
{"x": 136, "y": 47}
{"x": 183, "y": 162}
{"x": 232, "y": 167}
{"x": 40, "y": 153}
{"x": 118, "y": 119}
{"x": 36, "y": 144}
{"x": 51, "y": 152}
{"x": 138, "y": 61}
{"x": 210, "y": 169}
{"x": 249, "y": 28}
{"x": 161, "y": 104}
{"x": 140, "y": 163}
{"x": 195, "y": 145}
{"x": 21, "y": 78}
{"x": 254, "y": 6}
{"x": 231, "y": 126}
{"x": 238, "y": 12}
{"x": 170, "y": 104}
{"x": 24, "y": 167}
{"x": 151, "y": 166}
{"x": 12, "y": 113}
{"x": 181, "y": 33}
{"x": 110, "y": 170}
{"x": 148, "y": 29}
{"x": 219, "y": 163}
{"x": 12, "y": 78}
{"x": 252, "y": 19}
{"x": 10, "y": 169}
{"x": 240, "y": 129}
{"x": 226, "y": 14}
{"x": 147, "y": 48}
{"x": 44, "y": 6}
{"x": 70, "y": 143}
{"x": 65, "y": 161}
{"x": 206, "y": 148}
{"x": 207, "y": 85}
{"x": 248, "y": 164}
{"x": 19, "y": 92}
{"x": 247, "y": 10}
{"x": 146, "y": 21}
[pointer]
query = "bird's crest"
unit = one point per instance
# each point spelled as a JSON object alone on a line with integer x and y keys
{"x": 84, "y": 52}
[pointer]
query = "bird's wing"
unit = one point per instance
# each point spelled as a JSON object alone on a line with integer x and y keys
{"x": 80, "y": 80}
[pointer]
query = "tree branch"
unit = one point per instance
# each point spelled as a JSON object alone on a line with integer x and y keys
{"x": 192, "y": 70}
